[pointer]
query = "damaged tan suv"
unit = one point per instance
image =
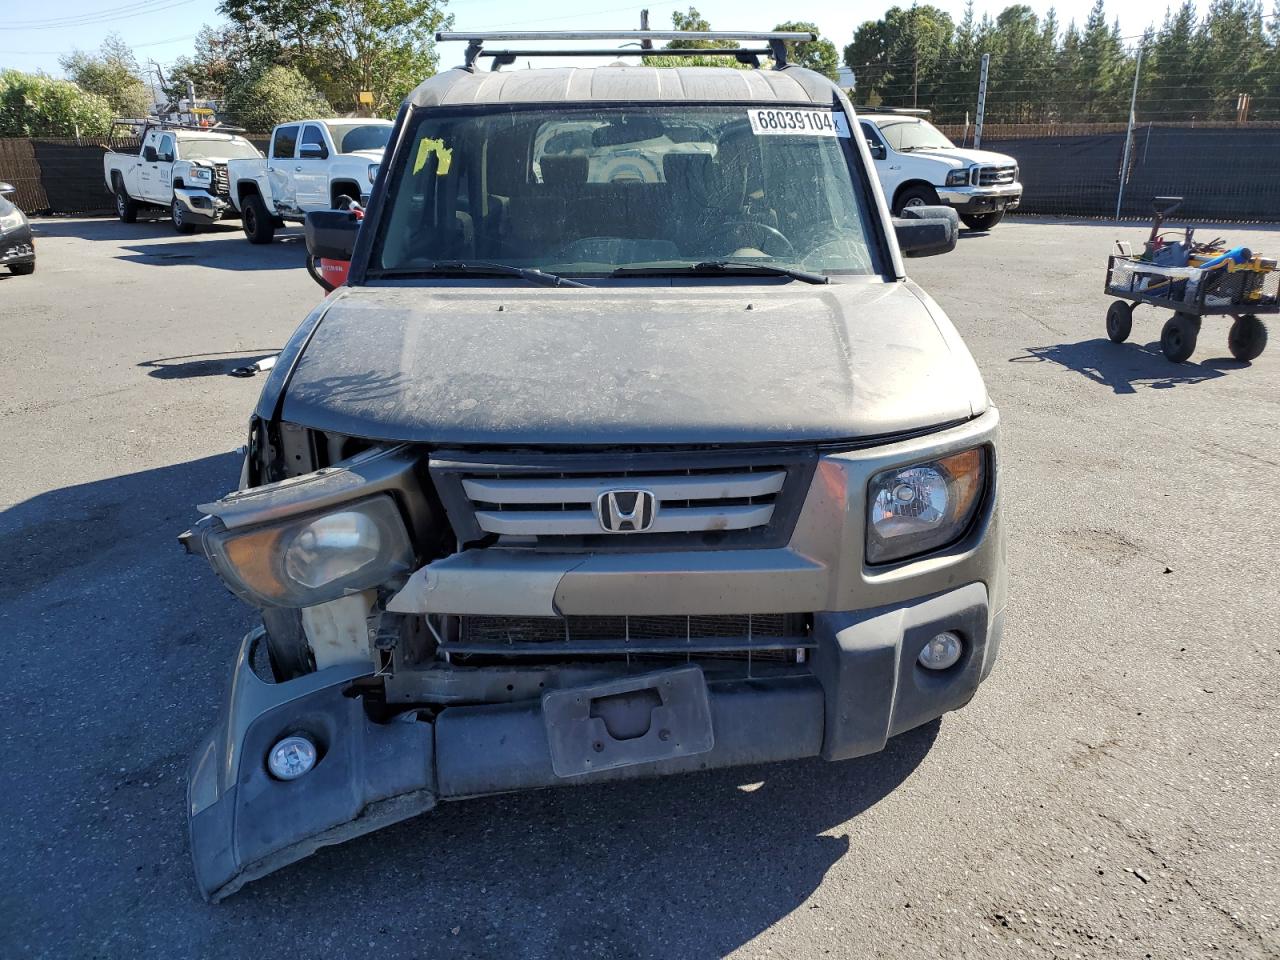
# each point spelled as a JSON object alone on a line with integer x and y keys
{"x": 628, "y": 449}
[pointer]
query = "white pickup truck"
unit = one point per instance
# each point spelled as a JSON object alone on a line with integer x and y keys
{"x": 919, "y": 167}
{"x": 179, "y": 169}
{"x": 311, "y": 165}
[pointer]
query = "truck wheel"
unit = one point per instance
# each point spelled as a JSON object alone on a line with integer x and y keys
{"x": 1178, "y": 338}
{"x": 981, "y": 221}
{"x": 126, "y": 206}
{"x": 922, "y": 195}
{"x": 178, "y": 214}
{"x": 1119, "y": 321}
{"x": 1248, "y": 338}
{"x": 258, "y": 226}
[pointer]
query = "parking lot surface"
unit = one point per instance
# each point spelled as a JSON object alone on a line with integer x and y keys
{"x": 1112, "y": 791}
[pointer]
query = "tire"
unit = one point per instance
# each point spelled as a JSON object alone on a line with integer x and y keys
{"x": 1119, "y": 321}
{"x": 27, "y": 269}
{"x": 257, "y": 222}
{"x": 287, "y": 646}
{"x": 126, "y": 206}
{"x": 179, "y": 217}
{"x": 1248, "y": 338}
{"x": 1178, "y": 338}
{"x": 981, "y": 221}
{"x": 921, "y": 195}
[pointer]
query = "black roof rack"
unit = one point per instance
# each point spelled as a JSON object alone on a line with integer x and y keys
{"x": 776, "y": 49}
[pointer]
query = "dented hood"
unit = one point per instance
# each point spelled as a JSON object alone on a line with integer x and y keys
{"x": 727, "y": 363}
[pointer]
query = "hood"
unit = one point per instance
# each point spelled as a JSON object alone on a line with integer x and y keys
{"x": 720, "y": 364}
{"x": 959, "y": 157}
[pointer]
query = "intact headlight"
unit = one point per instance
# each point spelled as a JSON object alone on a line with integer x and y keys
{"x": 312, "y": 558}
{"x": 200, "y": 175}
{"x": 922, "y": 507}
{"x": 11, "y": 221}
{"x": 957, "y": 178}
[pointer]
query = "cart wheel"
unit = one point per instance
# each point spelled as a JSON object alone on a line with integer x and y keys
{"x": 1178, "y": 338}
{"x": 1248, "y": 337}
{"x": 1119, "y": 321}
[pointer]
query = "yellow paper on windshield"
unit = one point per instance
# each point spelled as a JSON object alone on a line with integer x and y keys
{"x": 444, "y": 156}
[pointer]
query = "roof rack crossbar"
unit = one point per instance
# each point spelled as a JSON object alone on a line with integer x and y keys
{"x": 175, "y": 125}
{"x": 777, "y": 41}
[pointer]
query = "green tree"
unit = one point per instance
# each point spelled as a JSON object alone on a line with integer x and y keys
{"x": 901, "y": 56}
{"x": 692, "y": 21}
{"x": 273, "y": 95}
{"x": 818, "y": 55}
{"x": 33, "y": 105}
{"x": 111, "y": 73}
{"x": 347, "y": 46}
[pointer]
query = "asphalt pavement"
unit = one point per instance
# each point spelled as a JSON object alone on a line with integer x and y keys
{"x": 1113, "y": 790}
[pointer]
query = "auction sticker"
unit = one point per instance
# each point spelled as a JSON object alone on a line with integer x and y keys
{"x": 804, "y": 123}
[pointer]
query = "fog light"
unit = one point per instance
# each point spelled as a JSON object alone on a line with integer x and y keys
{"x": 941, "y": 652}
{"x": 291, "y": 758}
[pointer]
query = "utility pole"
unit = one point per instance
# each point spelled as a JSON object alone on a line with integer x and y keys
{"x": 645, "y": 44}
{"x": 982, "y": 101}
{"x": 1128, "y": 137}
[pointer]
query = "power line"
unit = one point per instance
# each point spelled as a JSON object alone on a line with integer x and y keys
{"x": 145, "y": 8}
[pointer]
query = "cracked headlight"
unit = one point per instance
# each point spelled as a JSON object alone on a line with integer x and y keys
{"x": 919, "y": 508}
{"x": 311, "y": 558}
{"x": 200, "y": 175}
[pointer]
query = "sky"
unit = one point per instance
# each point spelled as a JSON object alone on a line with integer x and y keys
{"x": 34, "y": 33}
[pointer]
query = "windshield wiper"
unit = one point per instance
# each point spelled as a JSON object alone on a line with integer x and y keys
{"x": 485, "y": 268}
{"x": 708, "y": 267}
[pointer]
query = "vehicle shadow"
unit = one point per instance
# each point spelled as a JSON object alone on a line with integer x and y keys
{"x": 689, "y": 866}
{"x": 229, "y": 252}
{"x": 204, "y": 364}
{"x": 1124, "y": 367}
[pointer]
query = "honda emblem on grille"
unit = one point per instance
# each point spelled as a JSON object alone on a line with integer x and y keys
{"x": 626, "y": 511}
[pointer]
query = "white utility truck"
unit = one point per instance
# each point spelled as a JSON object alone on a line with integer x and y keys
{"x": 311, "y": 165}
{"x": 919, "y": 167}
{"x": 179, "y": 168}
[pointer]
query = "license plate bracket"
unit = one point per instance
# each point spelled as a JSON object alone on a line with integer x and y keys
{"x": 617, "y": 723}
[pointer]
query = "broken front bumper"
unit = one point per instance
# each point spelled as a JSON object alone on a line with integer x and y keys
{"x": 201, "y": 206}
{"x": 864, "y": 686}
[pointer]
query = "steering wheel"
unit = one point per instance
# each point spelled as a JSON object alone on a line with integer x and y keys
{"x": 772, "y": 233}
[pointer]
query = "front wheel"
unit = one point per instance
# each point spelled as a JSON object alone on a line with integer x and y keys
{"x": 1119, "y": 321}
{"x": 126, "y": 206}
{"x": 1178, "y": 338}
{"x": 22, "y": 269}
{"x": 981, "y": 221}
{"x": 178, "y": 214}
{"x": 917, "y": 196}
{"x": 257, "y": 222}
{"x": 1248, "y": 338}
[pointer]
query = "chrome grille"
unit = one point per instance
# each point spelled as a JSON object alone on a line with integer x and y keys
{"x": 996, "y": 176}
{"x": 561, "y": 505}
{"x": 221, "y": 180}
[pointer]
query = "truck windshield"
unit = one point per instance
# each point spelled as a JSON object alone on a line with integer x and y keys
{"x": 587, "y": 191}
{"x": 907, "y": 135}
{"x": 350, "y": 137}
{"x": 198, "y": 149}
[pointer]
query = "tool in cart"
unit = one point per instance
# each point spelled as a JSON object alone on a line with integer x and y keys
{"x": 1194, "y": 280}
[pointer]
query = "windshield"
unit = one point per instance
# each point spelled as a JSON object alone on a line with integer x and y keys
{"x": 587, "y": 191}
{"x": 907, "y": 135}
{"x": 194, "y": 149}
{"x": 350, "y": 137}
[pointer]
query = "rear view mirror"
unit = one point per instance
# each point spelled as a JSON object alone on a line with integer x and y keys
{"x": 627, "y": 130}
{"x": 149, "y": 154}
{"x": 331, "y": 234}
{"x": 877, "y": 150}
{"x": 927, "y": 231}
{"x": 312, "y": 151}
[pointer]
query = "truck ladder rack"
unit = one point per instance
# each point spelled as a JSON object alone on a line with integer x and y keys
{"x": 776, "y": 49}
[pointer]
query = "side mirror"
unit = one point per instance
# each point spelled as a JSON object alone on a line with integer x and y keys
{"x": 312, "y": 151}
{"x": 331, "y": 234}
{"x": 927, "y": 231}
{"x": 7, "y": 188}
{"x": 878, "y": 151}
{"x": 149, "y": 154}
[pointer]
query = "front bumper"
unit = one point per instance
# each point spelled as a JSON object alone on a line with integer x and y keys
{"x": 982, "y": 199}
{"x": 17, "y": 246}
{"x": 201, "y": 205}
{"x": 864, "y": 687}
